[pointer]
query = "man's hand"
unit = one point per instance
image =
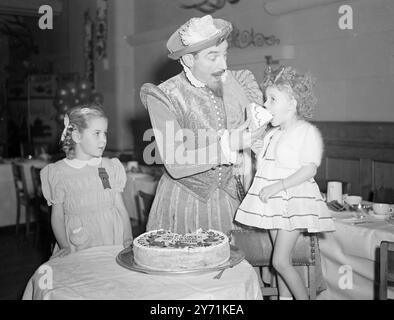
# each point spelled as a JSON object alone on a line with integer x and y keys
{"x": 242, "y": 138}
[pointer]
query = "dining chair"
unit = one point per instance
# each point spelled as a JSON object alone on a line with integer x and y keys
{"x": 386, "y": 268}
{"x": 144, "y": 203}
{"x": 43, "y": 214}
{"x": 258, "y": 249}
{"x": 23, "y": 197}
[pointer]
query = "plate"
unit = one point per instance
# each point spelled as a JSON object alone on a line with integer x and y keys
{"x": 379, "y": 216}
{"x": 125, "y": 258}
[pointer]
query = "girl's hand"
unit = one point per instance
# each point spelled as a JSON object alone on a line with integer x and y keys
{"x": 62, "y": 253}
{"x": 269, "y": 191}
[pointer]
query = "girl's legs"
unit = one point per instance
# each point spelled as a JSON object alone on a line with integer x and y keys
{"x": 282, "y": 262}
{"x": 284, "y": 292}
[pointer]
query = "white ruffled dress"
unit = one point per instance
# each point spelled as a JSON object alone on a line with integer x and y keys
{"x": 280, "y": 155}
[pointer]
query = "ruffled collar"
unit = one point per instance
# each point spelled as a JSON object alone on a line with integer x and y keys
{"x": 192, "y": 79}
{"x": 78, "y": 164}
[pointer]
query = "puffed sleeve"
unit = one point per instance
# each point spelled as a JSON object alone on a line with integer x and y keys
{"x": 120, "y": 175}
{"x": 312, "y": 147}
{"x": 51, "y": 184}
{"x": 248, "y": 82}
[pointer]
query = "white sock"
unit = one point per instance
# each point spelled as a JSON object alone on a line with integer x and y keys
{"x": 285, "y": 298}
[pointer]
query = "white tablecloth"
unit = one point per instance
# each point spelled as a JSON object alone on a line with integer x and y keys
{"x": 353, "y": 250}
{"x": 7, "y": 196}
{"x": 94, "y": 274}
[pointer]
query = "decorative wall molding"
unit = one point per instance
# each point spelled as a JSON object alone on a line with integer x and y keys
{"x": 361, "y": 153}
{"x": 260, "y": 55}
{"x": 237, "y": 39}
{"x": 359, "y": 134}
{"x": 206, "y": 6}
{"x": 279, "y": 7}
{"x": 246, "y": 38}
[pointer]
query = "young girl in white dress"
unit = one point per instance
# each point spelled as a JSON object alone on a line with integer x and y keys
{"x": 84, "y": 189}
{"x": 284, "y": 196}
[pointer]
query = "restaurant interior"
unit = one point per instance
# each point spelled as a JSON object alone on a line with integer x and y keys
{"x": 57, "y": 54}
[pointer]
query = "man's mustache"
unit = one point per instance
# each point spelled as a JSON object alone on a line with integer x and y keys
{"x": 218, "y": 73}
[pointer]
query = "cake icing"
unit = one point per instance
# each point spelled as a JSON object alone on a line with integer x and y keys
{"x": 167, "y": 251}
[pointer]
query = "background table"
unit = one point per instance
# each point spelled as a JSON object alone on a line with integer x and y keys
{"x": 354, "y": 247}
{"x": 7, "y": 196}
{"x": 94, "y": 274}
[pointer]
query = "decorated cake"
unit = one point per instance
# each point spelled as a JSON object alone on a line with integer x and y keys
{"x": 167, "y": 251}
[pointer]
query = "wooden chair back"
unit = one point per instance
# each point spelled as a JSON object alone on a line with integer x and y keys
{"x": 386, "y": 268}
{"x": 20, "y": 183}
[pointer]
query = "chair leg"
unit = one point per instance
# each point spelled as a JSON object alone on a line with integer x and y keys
{"x": 18, "y": 215}
{"x": 272, "y": 290}
{"x": 312, "y": 282}
{"x": 28, "y": 214}
{"x": 383, "y": 271}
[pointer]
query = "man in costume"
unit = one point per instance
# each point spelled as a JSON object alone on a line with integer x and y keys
{"x": 207, "y": 104}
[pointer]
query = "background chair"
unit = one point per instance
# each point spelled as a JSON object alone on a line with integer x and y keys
{"x": 386, "y": 268}
{"x": 144, "y": 203}
{"x": 257, "y": 247}
{"x": 23, "y": 197}
{"x": 44, "y": 231}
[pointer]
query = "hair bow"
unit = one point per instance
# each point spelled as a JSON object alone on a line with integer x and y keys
{"x": 66, "y": 124}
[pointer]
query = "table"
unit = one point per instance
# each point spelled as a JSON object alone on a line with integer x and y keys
{"x": 136, "y": 182}
{"x": 94, "y": 274}
{"x": 350, "y": 258}
{"x": 7, "y": 196}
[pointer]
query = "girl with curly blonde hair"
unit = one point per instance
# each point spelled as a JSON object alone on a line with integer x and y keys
{"x": 284, "y": 197}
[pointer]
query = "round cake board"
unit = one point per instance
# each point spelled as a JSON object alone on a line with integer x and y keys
{"x": 125, "y": 258}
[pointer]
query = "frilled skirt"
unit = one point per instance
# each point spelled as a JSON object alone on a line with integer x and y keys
{"x": 299, "y": 207}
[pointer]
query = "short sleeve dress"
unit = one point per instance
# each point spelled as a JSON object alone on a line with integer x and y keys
{"x": 299, "y": 207}
{"x": 91, "y": 217}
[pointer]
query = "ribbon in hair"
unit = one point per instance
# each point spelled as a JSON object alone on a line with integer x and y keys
{"x": 66, "y": 124}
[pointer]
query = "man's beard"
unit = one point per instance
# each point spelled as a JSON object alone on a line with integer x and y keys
{"x": 217, "y": 88}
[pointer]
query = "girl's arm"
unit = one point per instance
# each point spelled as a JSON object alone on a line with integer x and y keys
{"x": 58, "y": 226}
{"x": 127, "y": 233}
{"x": 303, "y": 174}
